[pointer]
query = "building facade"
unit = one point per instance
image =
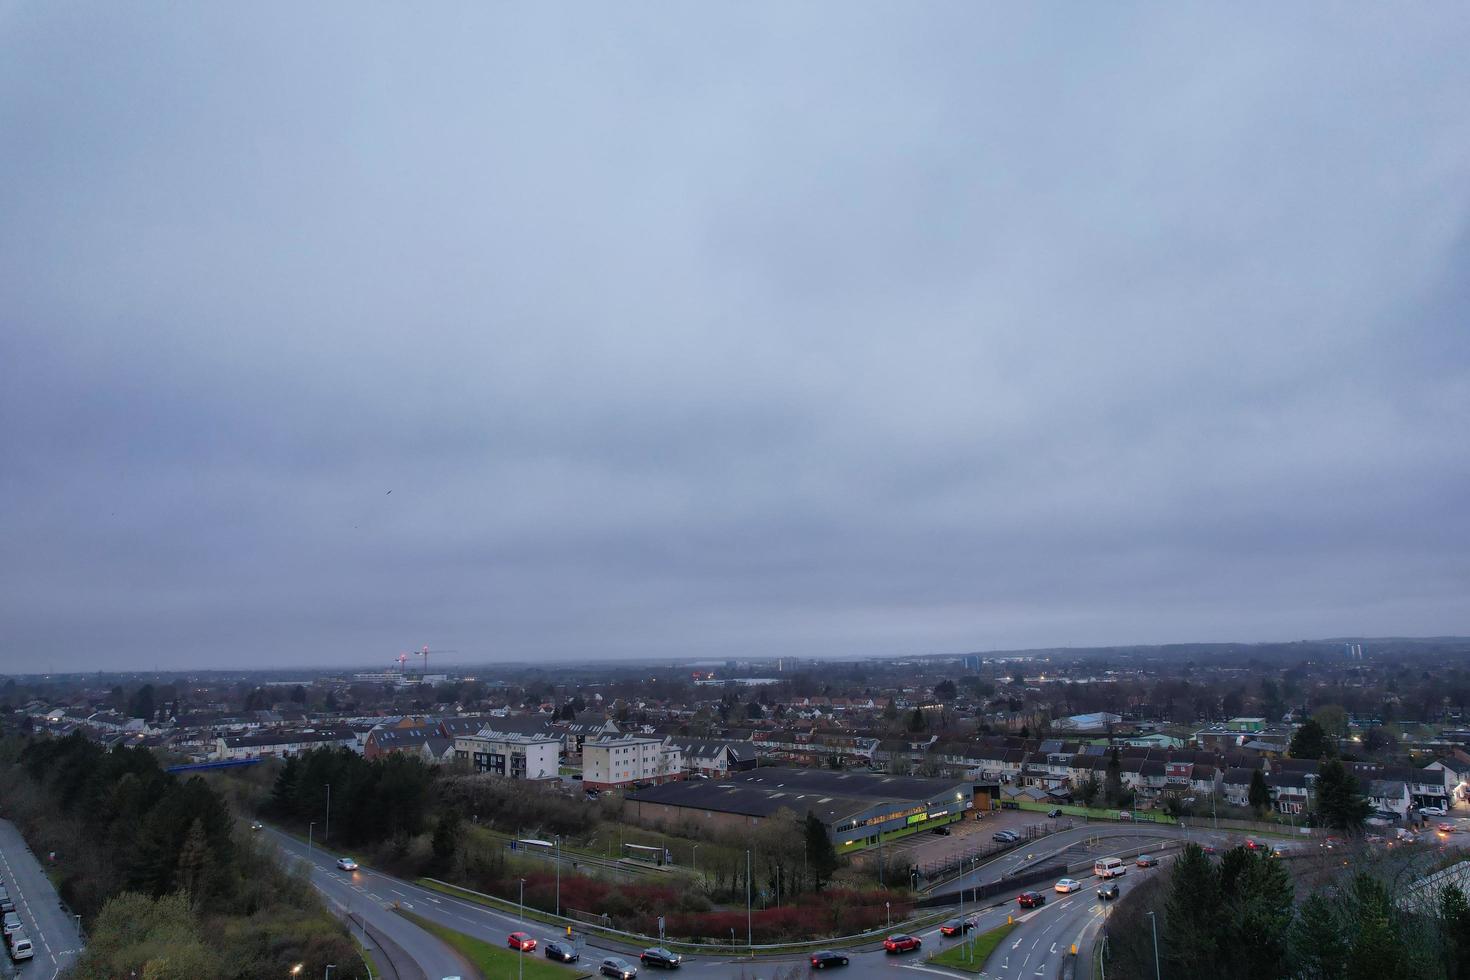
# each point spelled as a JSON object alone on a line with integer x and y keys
{"x": 613, "y": 762}
{"x": 510, "y": 756}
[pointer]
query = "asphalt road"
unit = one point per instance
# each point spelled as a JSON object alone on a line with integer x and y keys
{"x": 368, "y": 895}
{"x": 52, "y": 931}
{"x": 1044, "y": 934}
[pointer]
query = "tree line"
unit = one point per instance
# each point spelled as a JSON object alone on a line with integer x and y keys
{"x": 157, "y": 866}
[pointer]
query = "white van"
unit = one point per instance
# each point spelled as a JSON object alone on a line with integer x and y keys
{"x": 20, "y": 947}
{"x": 1109, "y": 868}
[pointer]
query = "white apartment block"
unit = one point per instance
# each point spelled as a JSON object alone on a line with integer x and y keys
{"x": 613, "y": 762}
{"x": 511, "y": 756}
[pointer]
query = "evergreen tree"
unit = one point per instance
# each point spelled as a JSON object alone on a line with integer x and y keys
{"x": 1377, "y": 949}
{"x": 141, "y": 705}
{"x": 283, "y": 793}
{"x": 1260, "y": 793}
{"x": 1319, "y": 941}
{"x": 193, "y": 863}
{"x": 1340, "y": 801}
{"x": 1191, "y": 908}
{"x": 890, "y": 711}
{"x": 1454, "y": 926}
{"x": 916, "y": 721}
{"x": 1113, "y": 782}
{"x": 1310, "y": 742}
{"x": 447, "y": 834}
{"x": 1256, "y": 897}
{"x": 821, "y": 856}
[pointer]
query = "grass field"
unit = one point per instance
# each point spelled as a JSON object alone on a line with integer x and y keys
{"x": 956, "y": 959}
{"x": 498, "y": 962}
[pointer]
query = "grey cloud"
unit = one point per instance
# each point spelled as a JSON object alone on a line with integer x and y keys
{"x": 828, "y": 330}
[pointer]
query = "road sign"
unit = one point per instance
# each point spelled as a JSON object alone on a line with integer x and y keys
{"x": 660, "y": 927}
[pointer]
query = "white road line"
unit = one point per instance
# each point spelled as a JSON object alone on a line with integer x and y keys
{"x": 908, "y": 966}
{"x": 397, "y": 892}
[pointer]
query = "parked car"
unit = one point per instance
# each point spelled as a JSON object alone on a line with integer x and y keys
{"x": 6, "y": 903}
{"x": 941, "y": 831}
{"x": 956, "y": 927}
{"x": 1108, "y": 891}
{"x": 20, "y": 947}
{"x": 12, "y": 923}
{"x": 1054, "y": 812}
{"x": 1005, "y": 837}
{"x": 520, "y": 941}
{"x": 1125, "y": 815}
{"x": 558, "y": 951}
{"x": 1066, "y": 886}
{"x": 1030, "y": 900}
{"x": 1146, "y": 861}
{"x": 616, "y": 966}
{"x": 823, "y": 959}
{"x": 347, "y": 864}
{"x": 1433, "y": 811}
{"x": 902, "y": 943}
{"x": 661, "y": 957}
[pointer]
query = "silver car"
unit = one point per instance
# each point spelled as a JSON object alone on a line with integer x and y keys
{"x": 12, "y": 923}
{"x": 618, "y": 968}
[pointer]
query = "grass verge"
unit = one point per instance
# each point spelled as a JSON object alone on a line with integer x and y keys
{"x": 497, "y": 961}
{"x": 956, "y": 957}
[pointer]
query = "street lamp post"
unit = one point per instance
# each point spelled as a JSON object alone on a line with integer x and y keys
{"x": 694, "y": 859}
{"x": 522, "y": 911}
{"x": 749, "y": 929}
{"x": 558, "y": 874}
{"x": 327, "y": 827}
{"x": 1154, "y": 923}
{"x": 889, "y": 907}
{"x": 309, "y": 828}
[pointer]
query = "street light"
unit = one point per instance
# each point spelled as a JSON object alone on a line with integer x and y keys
{"x": 523, "y": 900}
{"x": 296, "y": 970}
{"x": 749, "y": 929}
{"x": 694, "y": 859}
{"x": 1155, "y": 924}
{"x": 558, "y": 874}
{"x": 327, "y": 828}
{"x": 309, "y": 828}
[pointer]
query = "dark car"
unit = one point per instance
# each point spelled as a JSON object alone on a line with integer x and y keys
{"x": 1146, "y": 861}
{"x": 661, "y": 957}
{"x": 825, "y": 958}
{"x": 1030, "y": 900}
{"x": 556, "y": 951}
{"x": 941, "y": 831}
{"x": 902, "y": 943}
{"x": 1108, "y": 892}
{"x": 1054, "y": 813}
{"x": 955, "y": 927}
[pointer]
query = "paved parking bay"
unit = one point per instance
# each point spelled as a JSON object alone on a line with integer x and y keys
{"x": 51, "y": 929}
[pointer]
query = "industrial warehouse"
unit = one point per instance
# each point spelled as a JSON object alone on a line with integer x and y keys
{"x": 856, "y": 807}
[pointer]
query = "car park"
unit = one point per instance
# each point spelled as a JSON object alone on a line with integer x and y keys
{"x": 347, "y": 864}
{"x": 562, "y": 952}
{"x": 1107, "y": 892}
{"x": 661, "y": 957}
{"x": 1030, "y": 900}
{"x": 826, "y": 958}
{"x": 1146, "y": 861}
{"x": 1066, "y": 886}
{"x": 956, "y": 927}
{"x": 902, "y": 943}
{"x": 616, "y": 966}
{"x": 520, "y": 941}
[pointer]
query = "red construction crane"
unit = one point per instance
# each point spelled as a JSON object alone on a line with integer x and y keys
{"x": 424, "y": 653}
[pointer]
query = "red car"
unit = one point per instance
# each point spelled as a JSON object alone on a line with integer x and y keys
{"x": 1030, "y": 900}
{"x": 1251, "y": 844}
{"x": 521, "y": 941}
{"x": 902, "y": 943}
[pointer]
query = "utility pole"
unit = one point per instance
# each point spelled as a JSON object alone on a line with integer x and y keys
{"x": 558, "y": 874}
{"x": 327, "y": 830}
{"x": 309, "y": 828}
{"x": 694, "y": 860}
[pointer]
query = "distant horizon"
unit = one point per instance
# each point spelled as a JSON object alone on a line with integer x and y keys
{"x": 693, "y": 660}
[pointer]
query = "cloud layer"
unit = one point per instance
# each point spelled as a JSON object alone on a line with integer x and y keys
{"x": 758, "y": 330}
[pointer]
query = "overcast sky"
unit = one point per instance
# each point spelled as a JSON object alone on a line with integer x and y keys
{"x": 727, "y": 329}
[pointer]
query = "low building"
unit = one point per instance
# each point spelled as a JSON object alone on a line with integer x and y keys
{"x": 282, "y": 743}
{"x": 511, "y": 756}
{"x": 855, "y": 807}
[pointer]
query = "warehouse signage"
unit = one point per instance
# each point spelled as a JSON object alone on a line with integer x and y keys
{"x": 885, "y": 817}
